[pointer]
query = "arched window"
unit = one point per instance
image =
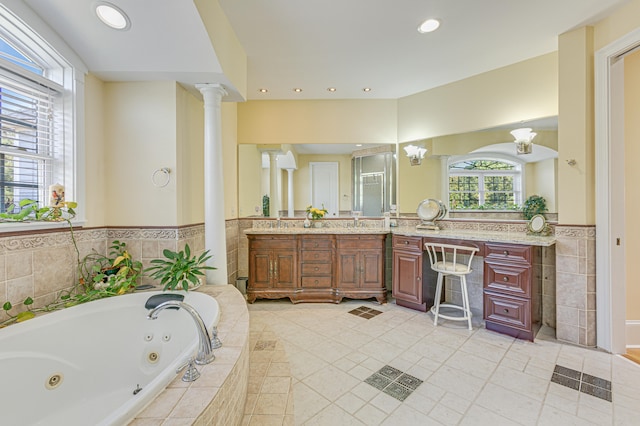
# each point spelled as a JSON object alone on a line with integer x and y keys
{"x": 37, "y": 123}
{"x": 484, "y": 184}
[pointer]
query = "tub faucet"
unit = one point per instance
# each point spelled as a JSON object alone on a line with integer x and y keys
{"x": 205, "y": 353}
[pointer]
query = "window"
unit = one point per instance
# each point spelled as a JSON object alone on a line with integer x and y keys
{"x": 37, "y": 100}
{"x": 485, "y": 184}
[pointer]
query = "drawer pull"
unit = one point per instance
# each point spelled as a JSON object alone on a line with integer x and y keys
{"x": 406, "y": 242}
{"x": 316, "y": 268}
{"x": 505, "y": 279}
{"x": 316, "y": 282}
{"x": 506, "y": 311}
{"x": 316, "y": 245}
{"x": 506, "y": 253}
{"x": 316, "y": 255}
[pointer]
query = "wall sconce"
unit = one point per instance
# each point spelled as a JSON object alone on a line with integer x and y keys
{"x": 415, "y": 154}
{"x": 523, "y": 136}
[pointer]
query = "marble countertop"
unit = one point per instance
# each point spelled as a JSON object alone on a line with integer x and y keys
{"x": 471, "y": 235}
{"x": 486, "y": 236}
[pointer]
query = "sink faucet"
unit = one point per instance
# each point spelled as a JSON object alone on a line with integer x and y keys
{"x": 205, "y": 353}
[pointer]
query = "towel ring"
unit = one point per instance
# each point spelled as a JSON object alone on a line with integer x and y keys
{"x": 161, "y": 177}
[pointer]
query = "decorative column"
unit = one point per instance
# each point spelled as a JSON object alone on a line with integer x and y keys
{"x": 290, "y": 192}
{"x": 214, "y": 224}
{"x": 274, "y": 194}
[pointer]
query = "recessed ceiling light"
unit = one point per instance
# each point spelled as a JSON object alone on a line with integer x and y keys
{"x": 331, "y": 89}
{"x": 263, "y": 90}
{"x": 112, "y": 16}
{"x": 297, "y": 90}
{"x": 366, "y": 89}
{"x": 428, "y": 26}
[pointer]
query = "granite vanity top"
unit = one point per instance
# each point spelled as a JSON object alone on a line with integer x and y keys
{"x": 471, "y": 235}
{"x": 479, "y": 235}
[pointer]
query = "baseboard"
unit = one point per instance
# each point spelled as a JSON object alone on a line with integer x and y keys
{"x": 633, "y": 333}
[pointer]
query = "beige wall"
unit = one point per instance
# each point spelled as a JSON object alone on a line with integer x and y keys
{"x": 229, "y": 51}
{"x": 576, "y": 184}
{"x": 229, "y": 116}
{"x": 140, "y": 137}
{"x": 189, "y": 146}
{"x": 295, "y": 122}
{"x": 522, "y": 91}
{"x": 632, "y": 176}
{"x": 95, "y": 165}
{"x": 250, "y": 181}
{"x": 539, "y": 182}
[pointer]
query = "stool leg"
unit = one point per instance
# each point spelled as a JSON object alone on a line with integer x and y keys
{"x": 465, "y": 299}
{"x": 436, "y": 302}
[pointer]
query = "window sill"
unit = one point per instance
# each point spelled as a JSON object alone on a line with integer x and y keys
{"x": 35, "y": 226}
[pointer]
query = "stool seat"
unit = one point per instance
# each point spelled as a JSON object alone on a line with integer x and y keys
{"x": 451, "y": 260}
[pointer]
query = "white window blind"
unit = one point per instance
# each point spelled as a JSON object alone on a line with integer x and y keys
{"x": 28, "y": 127}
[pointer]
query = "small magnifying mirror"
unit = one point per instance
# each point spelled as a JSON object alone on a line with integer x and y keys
{"x": 537, "y": 224}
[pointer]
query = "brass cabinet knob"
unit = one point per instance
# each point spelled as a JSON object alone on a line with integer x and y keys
{"x": 505, "y": 279}
{"x": 506, "y": 253}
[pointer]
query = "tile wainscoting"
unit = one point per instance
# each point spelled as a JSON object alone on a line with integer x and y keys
{"x": 576, "y": 284}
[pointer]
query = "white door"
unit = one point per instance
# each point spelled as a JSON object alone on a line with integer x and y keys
{"x": 324, "y": 186}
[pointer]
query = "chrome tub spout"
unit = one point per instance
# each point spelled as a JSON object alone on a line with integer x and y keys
{"x": 205, "y": 353}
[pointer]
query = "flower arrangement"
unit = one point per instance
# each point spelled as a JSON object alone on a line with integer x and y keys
{"x": 316, "y": 213}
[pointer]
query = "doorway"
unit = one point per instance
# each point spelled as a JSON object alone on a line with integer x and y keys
{"x": 325, "y": 186}
{"x": 612, "y": 195}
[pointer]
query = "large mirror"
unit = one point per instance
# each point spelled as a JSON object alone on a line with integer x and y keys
{"x": 481, "y": 173}
{"x": 374, "y": 172}
{"x": 346, "y": 179}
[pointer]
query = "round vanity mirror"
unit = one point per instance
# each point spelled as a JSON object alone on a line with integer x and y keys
{"x": 537, "y": 224}
{"x": 429, "y": 211}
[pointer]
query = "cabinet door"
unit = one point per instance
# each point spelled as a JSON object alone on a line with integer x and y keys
{"x": 347, "y": 270}
{"x": 371, "y": 269}
{"x": 407, "y": 276}
{"x": 260, "y": 269}
{"x": 284, "y": 268}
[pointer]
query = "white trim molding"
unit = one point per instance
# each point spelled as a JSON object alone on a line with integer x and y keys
{"x": 633, "y": 333}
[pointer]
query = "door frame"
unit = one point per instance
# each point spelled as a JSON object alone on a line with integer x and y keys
{"x": 610, "y": 263}
{"x": 335, "y": 168}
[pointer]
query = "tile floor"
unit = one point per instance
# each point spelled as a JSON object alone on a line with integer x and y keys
{"x": 312, "y": 364}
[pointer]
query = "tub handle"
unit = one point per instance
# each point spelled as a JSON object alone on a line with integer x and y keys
{"x": 192, "y": 373}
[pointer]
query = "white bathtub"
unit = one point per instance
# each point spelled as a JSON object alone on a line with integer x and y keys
{"x": 101, "y": 352}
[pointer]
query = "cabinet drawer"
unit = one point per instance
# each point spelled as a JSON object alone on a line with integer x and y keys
{"x": 512, "y": 279}
{"x": 272, "y": 243}
{"x": 316, "y": 282}
{"x": 317, "y": 243}
{"x": 508, "y": 252}
{"x": 316, "y": 256}
{"x": 361, "y": 242}
{"x": 316, "y": 269}
{"x": 513, "y": 312}
{"x": 407, "y": 243}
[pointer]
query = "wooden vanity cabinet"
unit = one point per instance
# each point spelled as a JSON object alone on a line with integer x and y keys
{"x": 408, "y": 268}
{"x": 273, "y": 266}
{"x": 360, "y": 266}
{"x": 316, "y": 267}
{"x": 510, "y": 290}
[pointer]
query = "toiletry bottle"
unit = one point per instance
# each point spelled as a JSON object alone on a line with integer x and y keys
{"x": 307, "y": 222}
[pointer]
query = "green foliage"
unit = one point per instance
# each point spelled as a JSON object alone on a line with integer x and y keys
{"x": 534, "y": 205}
{"x": 29, "y": 211}
{"x": 101, "y": 277}
{"x": 178, "y": 269}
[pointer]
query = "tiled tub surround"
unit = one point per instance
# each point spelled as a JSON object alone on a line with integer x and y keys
{"x": 218, "y": 397}
{"x": 40, "y": 265}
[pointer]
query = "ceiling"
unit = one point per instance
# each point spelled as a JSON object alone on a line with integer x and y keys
{"x": 313, "y": 45}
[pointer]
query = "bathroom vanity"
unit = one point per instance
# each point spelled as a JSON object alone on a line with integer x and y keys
{"x": 511, "y": 276}
{"x": 316, "y": 265}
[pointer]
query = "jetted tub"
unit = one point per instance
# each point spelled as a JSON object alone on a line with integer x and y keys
{"x": 98, "y": 363}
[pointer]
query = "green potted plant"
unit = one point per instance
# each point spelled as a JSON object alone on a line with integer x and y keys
{"x": 534, "y": 205}
{"x": 179, "y": 269}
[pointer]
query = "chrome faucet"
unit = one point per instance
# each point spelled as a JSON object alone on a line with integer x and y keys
{"x": 205, "y": 353}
